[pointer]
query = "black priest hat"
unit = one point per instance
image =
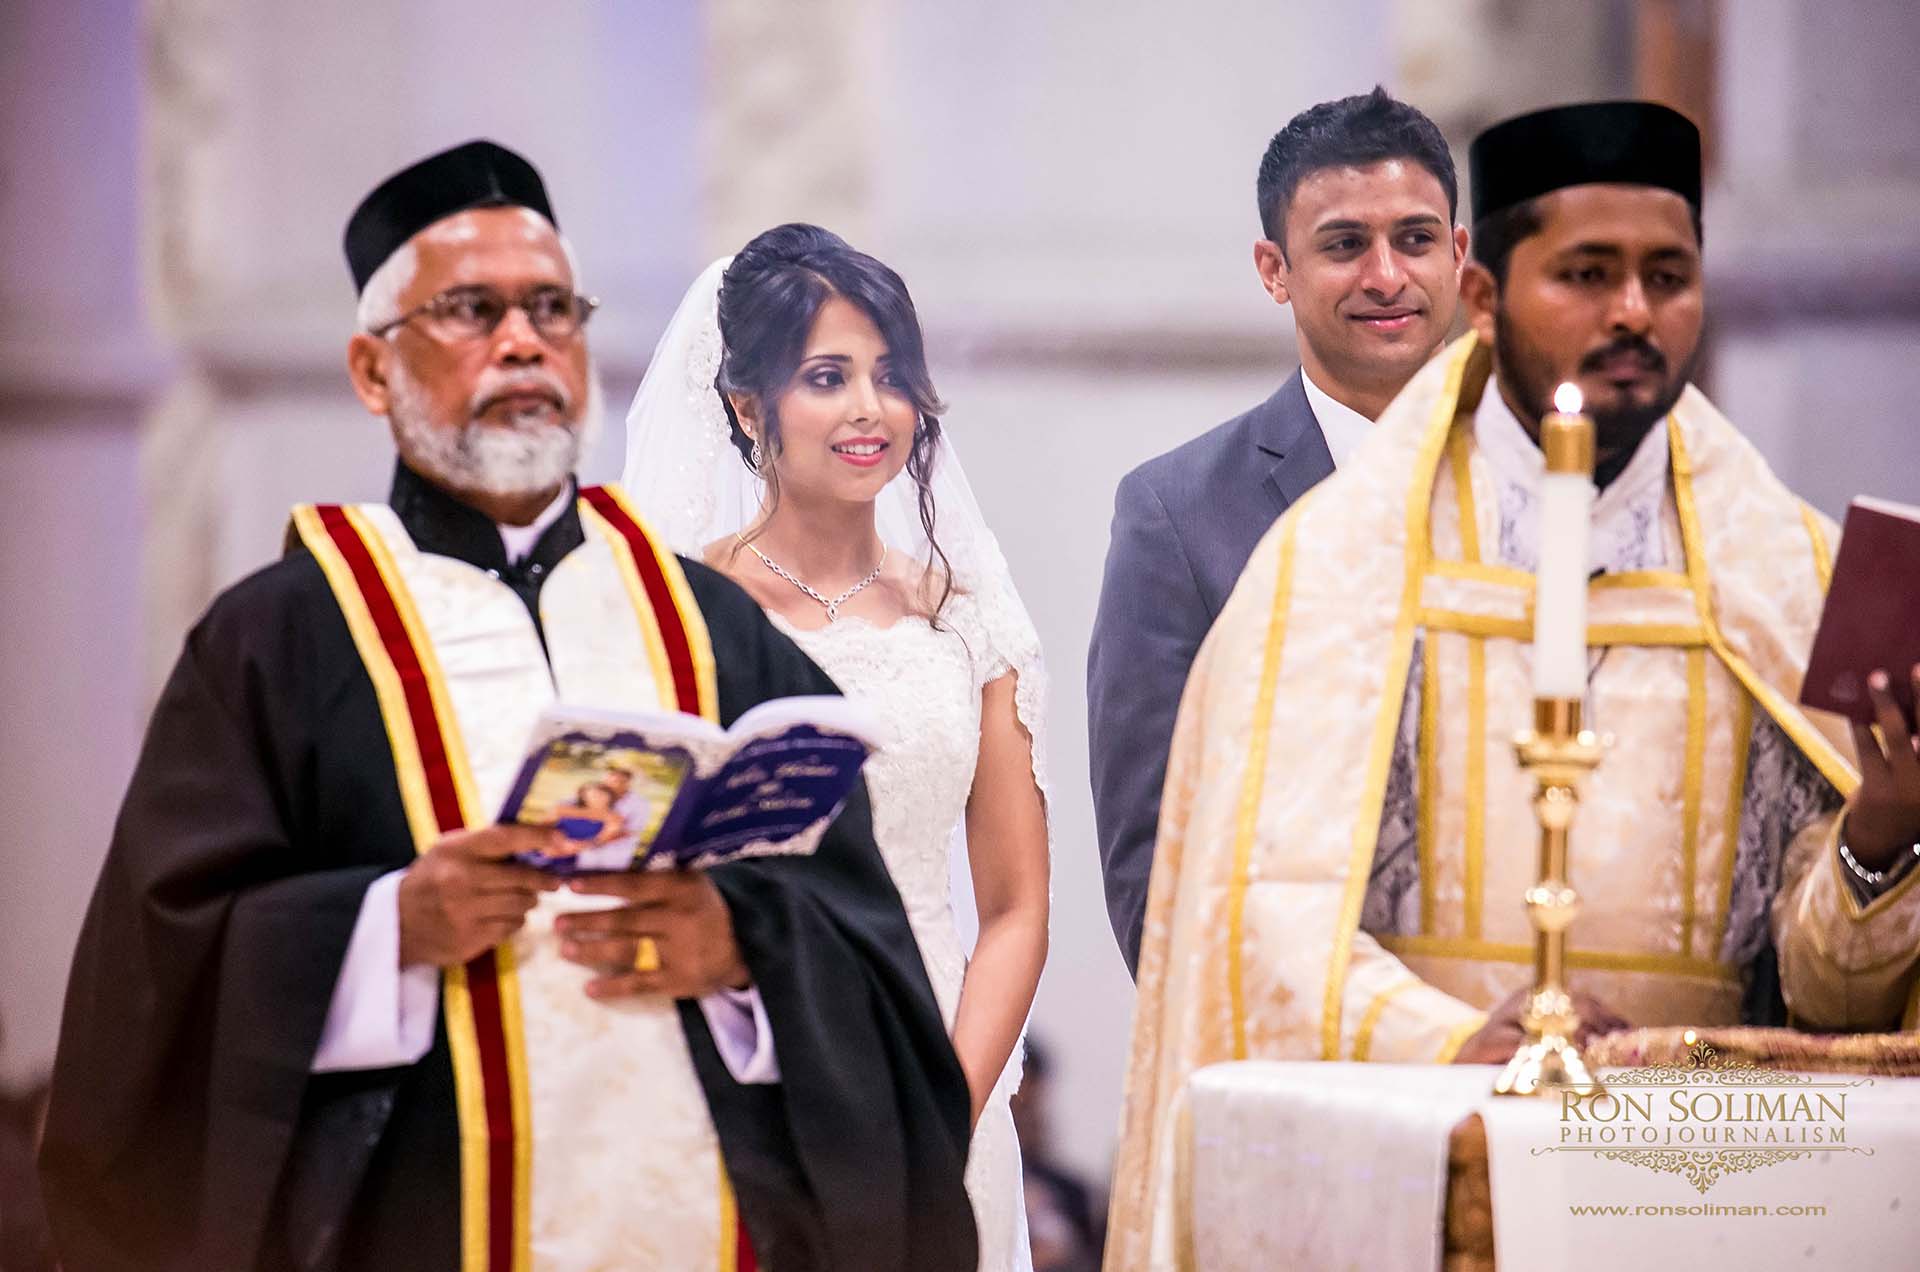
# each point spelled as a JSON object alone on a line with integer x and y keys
{"x": 1627, "y": 143}
{"x": 479, "y": 174}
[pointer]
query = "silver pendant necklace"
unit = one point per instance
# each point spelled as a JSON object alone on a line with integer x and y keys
{"x": 831, "y": 606}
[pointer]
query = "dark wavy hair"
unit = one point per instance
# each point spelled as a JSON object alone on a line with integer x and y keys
{"x": 769, "y": 297}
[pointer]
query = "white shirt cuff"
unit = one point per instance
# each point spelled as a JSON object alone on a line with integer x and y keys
{"x": 738, "y": 1021}
{"x": 381, "y": 1015}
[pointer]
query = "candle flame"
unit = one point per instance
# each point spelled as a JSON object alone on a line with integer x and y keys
{"x": 1567, "y": 399}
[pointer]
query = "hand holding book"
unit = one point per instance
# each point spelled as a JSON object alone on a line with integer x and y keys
{"x": 679, "y": 913}
{"x": 1865, "y": 665}
{"x": 1883, "y": 818}
{"x": 654, "y": 791}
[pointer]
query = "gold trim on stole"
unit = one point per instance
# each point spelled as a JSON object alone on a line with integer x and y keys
{"x": 1474, "y": 867}
{"x": 1363, "y": 1036}
{"x": 706, "y": 681}
{"x": 1693, "y": 778}
{"x": 414, "y": 799}
{"x": 1457, "y": 1038}
{"x": 1822, "y": 555}
{"x": 1252, "y": 783}
{"x": 1476, "y": 828}
{"x": 1366, "y": 828}
{"x": 1658, "y": 635}
{"x": 1590, "y": 960}
{"x": 699, "y": 640}
{"x": 1832, "y": 765}
{"x": 457, "y": 1008}
{"x": 1673, "y": 579}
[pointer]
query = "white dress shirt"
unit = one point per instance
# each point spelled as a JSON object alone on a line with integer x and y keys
{"x": 382, "y": 1014}
{"x": 1342, "y": 426}
{"x": 519, "y": 540}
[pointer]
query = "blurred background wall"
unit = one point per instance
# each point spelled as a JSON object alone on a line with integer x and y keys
{"x": 1066, "y": 184}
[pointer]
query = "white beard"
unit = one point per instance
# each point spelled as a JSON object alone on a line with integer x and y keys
{"x": 531, "y": 453}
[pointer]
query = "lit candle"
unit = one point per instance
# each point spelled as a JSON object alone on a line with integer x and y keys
{"x": 1566, "y": 514}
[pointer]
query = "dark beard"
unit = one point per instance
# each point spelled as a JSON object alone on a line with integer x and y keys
{"x": 1530, "y": 378}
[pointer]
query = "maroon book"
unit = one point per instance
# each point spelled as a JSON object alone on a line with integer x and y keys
{"x": 1872, "y": 615}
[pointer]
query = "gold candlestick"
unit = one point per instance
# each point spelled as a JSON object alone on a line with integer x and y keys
{"x": 1557, "y": 752}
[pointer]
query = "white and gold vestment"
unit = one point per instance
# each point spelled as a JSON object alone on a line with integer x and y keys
{"x": 1284, "y": 797}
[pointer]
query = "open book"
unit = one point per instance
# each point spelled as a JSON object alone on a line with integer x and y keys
{"x": 1872, "y": 616}
{"x": 657, "y": 790}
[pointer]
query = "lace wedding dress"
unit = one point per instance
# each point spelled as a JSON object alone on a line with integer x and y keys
{"x": 924, "y": 684}
{"x": 922, "y": 679}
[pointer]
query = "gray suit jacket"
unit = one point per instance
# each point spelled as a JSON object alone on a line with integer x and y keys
{"x": 1184, "y": 525}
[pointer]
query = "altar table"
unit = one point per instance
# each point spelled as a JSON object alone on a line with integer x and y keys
{"x": 1418, "y": 1167}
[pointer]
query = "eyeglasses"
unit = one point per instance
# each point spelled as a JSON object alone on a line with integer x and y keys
{"x": 472, "y": 313}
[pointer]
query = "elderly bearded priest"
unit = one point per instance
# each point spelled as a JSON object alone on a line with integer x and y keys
{"x": 1351, "y": 889}
{"x": 290, "y": 1042}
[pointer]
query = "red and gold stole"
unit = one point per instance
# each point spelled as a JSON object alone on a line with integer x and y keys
{"x": 481, "y": 1000}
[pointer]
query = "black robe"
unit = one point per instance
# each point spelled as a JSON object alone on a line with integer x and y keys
{"x": 186, "y": 1130}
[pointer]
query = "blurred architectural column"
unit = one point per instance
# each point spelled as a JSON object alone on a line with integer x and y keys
{"x": 264, "y": 127}
{"x": 795, "y": 111}
{"x": 1468, "y": 63}
{"x": 76, "y": 367}
{"x": 191, "y": 92}
{"x": 1813, "y": 248}
{"x": 1676, "y": 61}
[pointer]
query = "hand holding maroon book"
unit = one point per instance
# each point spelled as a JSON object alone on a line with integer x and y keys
{"x": 1872, "y": 617}
{"x": 1865, "y": 665}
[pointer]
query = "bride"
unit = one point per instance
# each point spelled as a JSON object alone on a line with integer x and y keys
{"x": 787, "y": 434}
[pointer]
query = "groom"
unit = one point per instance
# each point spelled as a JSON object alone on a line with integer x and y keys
{"x": 319, "y": 1019}
{"x": 1356, "y": 200}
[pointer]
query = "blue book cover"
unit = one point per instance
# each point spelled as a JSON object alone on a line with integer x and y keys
{"x": 660, "y": 791}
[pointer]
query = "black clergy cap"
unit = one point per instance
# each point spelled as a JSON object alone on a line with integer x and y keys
{"x": 1626, "y": 143}
{"x": 479, "y": 174}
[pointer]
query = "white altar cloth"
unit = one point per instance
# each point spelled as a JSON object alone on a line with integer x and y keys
{"x": 1311, "y": 1165}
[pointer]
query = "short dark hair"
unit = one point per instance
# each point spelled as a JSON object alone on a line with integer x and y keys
{"x": 1353, "y": 131}
{"x": 1496, "y": 234}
